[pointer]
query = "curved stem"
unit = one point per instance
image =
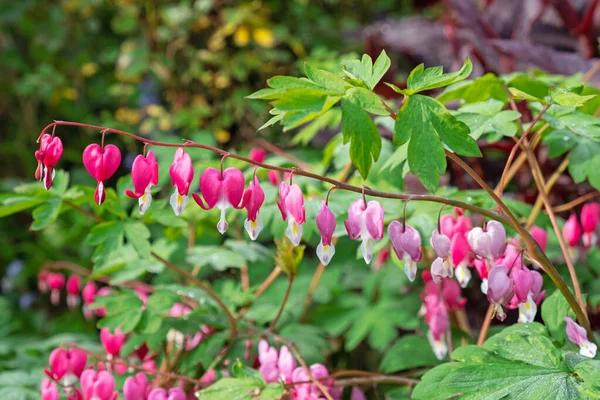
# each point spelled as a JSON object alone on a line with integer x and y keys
{"x": 487, "y": 321}
{"x": 297, "y": 171}
{"x": 284, "y": 302}
{"x": 576, "y": 202}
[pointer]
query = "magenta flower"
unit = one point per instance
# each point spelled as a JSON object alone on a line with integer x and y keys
{"x": 182, "y": 174}
{"x": 326, "y": 223}
{"x": 98, "y": 385}
{"x": 221, "y": 189}
{"x": 73, "y": 289}
{"x": 174, "y": 393}
{"x": 572, "y": 231}
{"x": 540, "y": 235}
{"x": 357, "y": 394}
{"x": 578, "y": 336}
{"x": 452, "y": 295}
{"x": 43, "y": 281}
{"x": 590, "y": 214}
{"x": 56, "y": 281}
{"x": 500, "y": 289}
{"x": 253, "y": 199}
{"x": 274, "y": 177}
{"x": 528, "y": 292}
{"x": 135, "y": 387}
{"x": 88, "y": 294}
{"x": 258, "y": 154}
{"x": 436, "y": 317}
{"x": 450, "y": 224}
{"x": 309, "y": 391}
{"x": 488, "y": 243}
{"x": 67, "y": 365}
{"x": 291, "y": 205}
{"x": 112, "y": 342}
{"x": 144, "y": 174}
{"x": 442, "y": 266}
{"x": 275, "y": 366}
{"x": 51, "y": 149}
{"x": 459, "y": 249}
{"x": 101, "y": 163}
{"x": 365, "y": 222}
{"x": 48, "y": 390}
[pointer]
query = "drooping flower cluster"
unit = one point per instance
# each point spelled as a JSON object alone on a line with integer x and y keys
{"x": 439, "y": 297}
{"x": 585, "y": 233}
{"x": 280, "y": 366}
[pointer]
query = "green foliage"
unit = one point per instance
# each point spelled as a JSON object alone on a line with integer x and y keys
{"x": 408, "y": 352}
{"x": 422, "y": 79}
{"x": 428, "y": 126}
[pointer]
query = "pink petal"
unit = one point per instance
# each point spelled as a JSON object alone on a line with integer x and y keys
{"x": 211, "y": 187}
{"x": 294, "y": 204}
{"x": 326, "y": 224}
{"x": 233, "y": 186}
{"x": 373, "y": 216}
{"x": 182, "y": 171}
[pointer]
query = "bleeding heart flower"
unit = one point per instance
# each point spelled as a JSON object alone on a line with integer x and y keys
{"x": 436, "y": 317}
{"x": 291, "y": 205}
{"x": 406, "y": 242}
{"x": 500, "y": 289}
{"x": 43, "y": 281}
{"x": 144, "y": 174}
{"x": 528, "y": 293}
{"x": 51, "y": 149}
{"x": 326, "y": 224}
{"x": 182, "y": 174}
{"x": 442, "y": 265}
{"x": 459, "y": 249}
{"x": 275, "y": 366}
{"x": 112, "y": 343}
{"x": 365, "y": 222}
{"x": 274, "y": 177}
{"x": 48, "y": 390}
{"x": 67, "y": 365}
{"x": 73, "y": 289}
{"x": 357, "y": 394}
{"x": 258, "y": 155}
{"x": 452, "y": 295}
{"x": 590, "y": 214}
{"x": 98, "y": 385}
{"x": 88, "y": 294}
{"x": 578, "y": 336}
{"x": 253, "y": 200}
{"x": 101, "y": 163}
{"x": 488, "y": 243}
{"x": 135, "y": 387}
{"x": 174, "y": 393}
{"x": 572, "y": 231}
{"x": 47, "y": 156}
{"x": 540, "y": 235}
{"x": 56, "y": 281}
{"x": 222, "y": 189}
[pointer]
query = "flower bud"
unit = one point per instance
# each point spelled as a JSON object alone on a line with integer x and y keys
{"x": 291, "y": 205}
{"x": 326, "y": 223}
{"x": 590, "y": 214}
{"x": 500, "y": 289}
{"x": 406, "y": 242}
{"x": 572, "y": 231}
{"x": 578, "y": 336}
{"x": 365, "y": 222}
{"x": 540, "y": 235}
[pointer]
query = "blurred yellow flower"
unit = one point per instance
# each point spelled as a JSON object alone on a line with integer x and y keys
{"x": 146, "y": 127}
{"x": 222, "y": 135}
{"x": 128, "y": 115}
{"x": 89, "y": 69}
{"x": 222, "y": 81}
{"x": 263, "y": 37}
{"x": 69, "y": 93}
{"x": 241, "y": 37}
{"x": 154, "y": 110}
{"x": 164, "y": 124}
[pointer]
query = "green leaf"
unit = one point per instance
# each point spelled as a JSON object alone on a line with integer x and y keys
{"x": 559, "y": 142}
{"x": 359, "y": 129}
{"x": 365, "y": 71}
{"x": 421, "y": 79}
{"x": 46, "y": 213}
{"x": 487, "y": 117}
{"x": 14, "y": 204}
{"x": 408, "y": 352}
{"x": 137, "y": 234}
{"x": 367, "y": 99}
{"x": 564, "y": 98}
{"x": 127, "y": 320}
{"x": 241, "y": 389}
{"x": 428, "y": 125}
{"x": 519, "y": 362}
{"x": 554, "y": 310}
{"x": 476, "y": 90}
{"x": 326, "y": 79}
{"x": 521, "y": 95}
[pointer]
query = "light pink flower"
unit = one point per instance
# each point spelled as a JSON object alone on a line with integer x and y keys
{"x": 406, "y": 242}
{"x": 488, "y": 243}
{"x": 274, "y": 365}
{"x": 572, "y": 231}
{"x": 221, "y": 189}
{"x": 144, "y": 174}
{"x": 326, "y": 224}
{"x": 442, "y": 266}
{"x": 500, "y": 289}
{"x": 135, "y": 387}
{"x": 73, "y": 289}
{"x": 174, "y": 393}
{"x": 48, "y": 390}
{"x": 98, "y": 385}
{"x": 51, "y": 149}
{"x": 540, "y": 235}
{"x": 56, "y": 281}
{"x": 578, "y": 336}
{"x": 291, "y": 205}
{"x": 253, "y": 200}
{"x": 101, "y": 163}
{"x": 365, "y": 222}
{"x": 182, "y": 175}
